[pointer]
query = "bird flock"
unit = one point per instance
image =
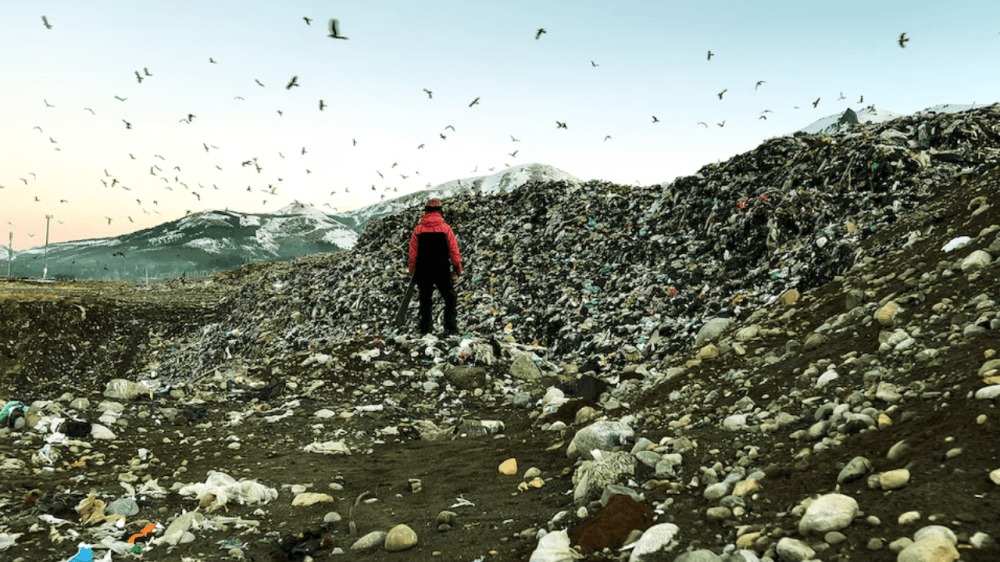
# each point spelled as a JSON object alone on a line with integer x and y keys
{"x": 174, "y": 179}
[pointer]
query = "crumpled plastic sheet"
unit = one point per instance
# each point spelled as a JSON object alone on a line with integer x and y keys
{"x": 225, "y": 488}
{"x": 584, "y": 270}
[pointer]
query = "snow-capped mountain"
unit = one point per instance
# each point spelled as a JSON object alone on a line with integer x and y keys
{"x": 210, "y": 241}
{"x": 501, "y": 182}
{"x": 196, "y": 244}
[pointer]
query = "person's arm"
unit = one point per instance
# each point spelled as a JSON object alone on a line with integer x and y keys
{"x": 456, "y": 257}
{"x": 413, "y": 251}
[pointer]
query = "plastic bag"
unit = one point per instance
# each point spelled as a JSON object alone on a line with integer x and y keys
{"x": 554, "y": 547}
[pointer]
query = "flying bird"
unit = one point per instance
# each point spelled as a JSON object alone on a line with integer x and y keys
{"x": 710, "y": 53}
{"x": 512, "y": 154}
{"x": 109, "y": 219}
{"x": 539, "y": 33}
{"x": 45, "y": 21}
{"x": 722, "y": 92}
{"x": 37, "y": 127}
{"x": 430, "y": 94}
{"x": 308, "y": 21}
{"x": 450, "y": 127}
{"x": 138, "y": 76}
{"x": 723, "y": 124}
{"x": 211, "y": 60}
{"x": 561, "y": 125}
{"x": 146, "y": 70}
{"x": 862, "y": 100}
{"x": 90, "y": 110}
{"x": 238, "y": 98}
{"x": 206, "y": 146}
{"x": 903, "y": 39}
{"x": 303, "y": 151}
{"x": 655, "y": 120}
{"x": 379, "y": 174}
{"x": 127, "y": 124}
{"x": 280, "y": 113}
{"x": 120, "y": 99}
{"x": 258, "y": 82}
{"x": 52, "y": 140}
{"x": 419, "y": 147}
{"x": 513, "y": 139}
{"x": 815, "y": 103}
{"x": 474, "y": 102}
{"x": 592, "y": 63}
{"x": 442, "y": 136}
{"x": 764, "y": 117}
{"x": 703, "y": 123}
{"x": 335, "y": 29}
{"x": 759, "y": 84}
{"x": 394, "y": 164}
{"x": 321, "y": 105}
{"x": 841, "y": 96}
{"x": 47, "y": 104}
{"x": 607, "y": 138}
{"x": 292, "y": 82}
{"x": 354, "y": 142}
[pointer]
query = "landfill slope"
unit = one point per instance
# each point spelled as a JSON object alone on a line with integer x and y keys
{"x": 702, "y": 364}
{"x": 583, "y": 269}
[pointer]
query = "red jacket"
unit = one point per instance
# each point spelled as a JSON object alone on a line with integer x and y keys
{"x": 433, "y": 252}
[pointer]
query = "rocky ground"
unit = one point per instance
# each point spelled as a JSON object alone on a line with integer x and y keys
{"x": 266, "y": 414}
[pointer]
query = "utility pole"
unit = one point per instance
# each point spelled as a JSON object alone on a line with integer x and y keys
{"x": 45, "y": 271}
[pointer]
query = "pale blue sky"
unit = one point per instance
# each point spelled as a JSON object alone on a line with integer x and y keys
{"x": 651, "y": 57}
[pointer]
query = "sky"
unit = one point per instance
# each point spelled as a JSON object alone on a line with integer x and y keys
{"x": 99, "y": 166}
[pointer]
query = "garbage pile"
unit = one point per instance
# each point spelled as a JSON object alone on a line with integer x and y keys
{"x": 588, "y": 269}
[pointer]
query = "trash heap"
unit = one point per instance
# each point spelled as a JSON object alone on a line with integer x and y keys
{"x": 584, "y": 270}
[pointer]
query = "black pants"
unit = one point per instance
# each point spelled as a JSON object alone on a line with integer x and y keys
{"x": 446, "y": 287}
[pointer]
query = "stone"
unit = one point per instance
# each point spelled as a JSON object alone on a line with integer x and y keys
{"x": 831, "y": 512}
{"x": 524, "y": 368}
{"x": 602, "y": 435}
{"x": 400, "y": 538}
{"x": 370, "y": 541}
{"x": 735, "y": 422}
{"x": 995, "y": 476}
{"x": 508, "y": 467}
{"x": 939, "y": 531}
{"x": 834, "y": 537}
{"x": 748, "y": 333}
{"x": 592, "y": 477}
{"x": 975, "y": 261}
{"x": 311, "y": 498}
{"x": 702, "y": 555}
{"x": 988, "y": 366}
{"x": 718, "y": 513}
{"x": 931, "y": 549}
{"x": 886, "y": 315}
{"x": 708, "y": 353}
{"x": 176, "y": 529}
{"x": 711, "y": 331}
{"x": 793, "y": 550}
{"x": 898, "y": 451}
{"x": 658, "y": 538}
{"x": 855, "y": 470}
{"x": 893, "y": 479}
{"x": 790, "y": 297}
{"x": 988, "y": 392}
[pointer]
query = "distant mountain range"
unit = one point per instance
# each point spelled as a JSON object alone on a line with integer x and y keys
{"x": 209, "y": 241}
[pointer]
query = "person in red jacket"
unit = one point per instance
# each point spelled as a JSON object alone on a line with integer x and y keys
{"x": 433, "y": 252}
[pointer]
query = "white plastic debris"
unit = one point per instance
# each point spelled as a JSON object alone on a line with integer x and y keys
{"x": 956, "y": 243}
{"x": 327, "y": 448}
{"x": 555, "y": 547}
{"x": 225, "y": 488}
